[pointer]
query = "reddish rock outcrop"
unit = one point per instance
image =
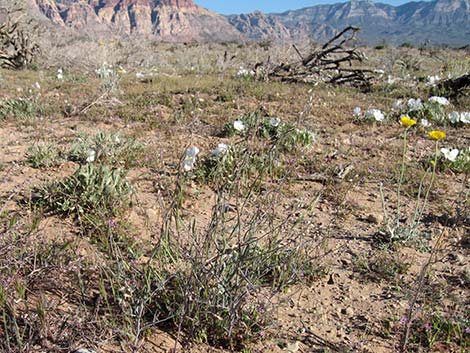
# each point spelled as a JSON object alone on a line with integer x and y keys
{"x": 172, "y": 20}
{"x": 49, "y": 8}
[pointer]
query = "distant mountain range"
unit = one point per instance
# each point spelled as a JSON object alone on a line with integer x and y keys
{"x": 435, "y": 22}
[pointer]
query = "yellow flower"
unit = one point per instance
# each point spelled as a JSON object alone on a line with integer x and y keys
{"x": 437, "y": 135}
{"x": 407, "y": 121}
{"x": 101, "y": 43}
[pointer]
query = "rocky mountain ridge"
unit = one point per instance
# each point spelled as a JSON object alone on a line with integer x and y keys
{"x": 437, "y": 22}
{"x": 177, "y": 20}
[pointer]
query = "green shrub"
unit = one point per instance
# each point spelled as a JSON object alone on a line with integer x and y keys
{"x": 91, "y": 192}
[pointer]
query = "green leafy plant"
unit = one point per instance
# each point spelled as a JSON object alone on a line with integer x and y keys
{"x": 384, "y": 265}
{"x": 106, "y": 147}
{"x": 110, "y": 78}
{"x": 286, "y": 136}
{"x": 43, "y": 155}
{"x": 91, "y": 193}
{"x": 451, "y": 333}
{"x": 20, "y": 108}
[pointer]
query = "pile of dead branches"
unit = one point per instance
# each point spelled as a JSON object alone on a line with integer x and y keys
{"x": 455, "y": 86}
{"x": 331, "y": 63}
{"x": 17, "y": 45}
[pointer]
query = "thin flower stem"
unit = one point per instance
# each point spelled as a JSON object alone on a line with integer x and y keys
{"x": 414, "y": 224}
{"x": 433, "y": 176}
{"x": 400, "y": 181}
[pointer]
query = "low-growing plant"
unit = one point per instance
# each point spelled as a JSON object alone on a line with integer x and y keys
{"x": 285, "y": 136}
{"x": 454, "y": 159}
{"x": 106, "y": 147}
{"x": 94, "y": 193}
{"x": 19, "y": 108}
{"x": 110, "y": 78}
{"x": 452, "y": 334}
{"x": 384, "y": 265}
{"x": 240, "y": 162}
{"x": 43, "y": 155}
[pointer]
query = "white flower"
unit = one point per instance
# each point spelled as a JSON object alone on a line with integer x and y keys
{"x": 238, "y": 125}
{"x": 425, "y": 123}
{"x": 397, "y": 105}
{"x": 188, "y": 164}
{"x": 465, "y": 117}
{"x": 245, "y": 72}
{"x": 221, "y": 148}
{"x": 91, "y": 156}
{"x": 190, "y": 158}
{"x": 390, "y": 80}
{"x": 432, "y": 80}
{"x": 375, "y": 114}
{"x": 414, "y": 104}
{"x": 439, "y": 100}
{"x": 37, "y": 86}
{"x": 357, "y": 112}
{"x": 380, "y": 72}
{"x": 454, "y": 117}
{"x": 60, "y": 74}
{"x": 450, "y": 154}
{"x": 139, "y": 75}
{"x": 192, "y": 151}
{"x": 274, "y": 121}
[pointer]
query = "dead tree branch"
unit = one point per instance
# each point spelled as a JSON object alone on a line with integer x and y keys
{"x": 455, "y": 86}
{"x": 17, "y": 47}
{"x": 332, "y": 63}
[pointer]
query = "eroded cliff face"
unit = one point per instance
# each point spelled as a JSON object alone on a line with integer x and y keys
{"x": 437, "y": 22}
{"x": 177, "y": 20}
{"x": 50, "y": 10}
{"x": 259, "y": 26}
{"x": 187, "y": 21}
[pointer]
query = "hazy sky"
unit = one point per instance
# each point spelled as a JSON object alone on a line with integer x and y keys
{"x": 243, "y": 6}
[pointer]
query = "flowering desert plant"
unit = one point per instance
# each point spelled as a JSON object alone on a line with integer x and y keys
{"x": 371, "y": 115}
{"x": 110, "y": 77}
{"x": 106, "y": 147}
{"x": 396, "y": 230}
{"x": 285, "y": 135}
{"x": 434, "y": 110}
{"x": 455, "y": 159}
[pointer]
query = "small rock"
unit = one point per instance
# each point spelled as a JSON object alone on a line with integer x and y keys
{"x": 292, "y": 347}
{"x": 347, "y": 311}
{"x": 375, "y": 218}
{"x": 331, "y": 280}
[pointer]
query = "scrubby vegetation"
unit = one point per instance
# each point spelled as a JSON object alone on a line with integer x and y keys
{"x": 183, "y": 204}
